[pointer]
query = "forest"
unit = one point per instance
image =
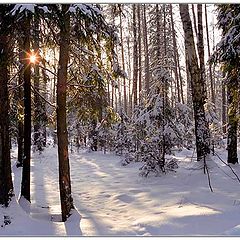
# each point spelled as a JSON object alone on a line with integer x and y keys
{"x": 101, "y": 101}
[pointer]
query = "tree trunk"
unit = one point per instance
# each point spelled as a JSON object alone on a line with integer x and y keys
{"x": 6, "y": 189}
{"x": 146, "y": 53}
{"x": 209, "y": 54}
{"x": 123, "y": 66}
{"x": 198, "y": 94}
{"x": 25, "y": 187}
{"x": 64, "y": 168}
{"x": 175, "y": 56}
{"x": 37, "y": 100}
{"x": 139, "y": 49}
{"x": 200, "y": 46}
{"x": 232, "y": 94}
{"x": 194, "y": 20}
{"x": 20, "y": 136}
{"x": 135, "y": 57}
{"x": 224, "y": 111}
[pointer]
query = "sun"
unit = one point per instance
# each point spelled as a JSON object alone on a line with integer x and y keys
{"x": 33, "y": 58}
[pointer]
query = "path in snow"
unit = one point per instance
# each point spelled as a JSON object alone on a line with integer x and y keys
{"x": 115, "y": 200}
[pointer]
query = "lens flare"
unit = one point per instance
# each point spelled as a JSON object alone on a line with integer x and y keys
{"x": 33, "y": 58}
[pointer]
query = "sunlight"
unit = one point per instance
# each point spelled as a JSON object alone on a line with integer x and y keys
{"x": 33, "y": 58}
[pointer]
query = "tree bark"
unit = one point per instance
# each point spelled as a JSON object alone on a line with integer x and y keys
{"x": 139, "y": 49}
{"x": 175, "y": 56}
{"x": 232, "y": 94}
{"x": 123, "y": 66}
{"x": 25, "y": 187}
{"x": 224, "y": 110}
{"x": 38, "y": 111}
{"x": 64, "y": 168}
{"x": 20, "y": 136}
{"x": 146, "y": 52}
{"x": 200, "y": 46}
{"x": 135, "y": 57}
{"x": 198, "y": 94}
{"x": 6, "y": 189}
{"x": 209, "y": 54}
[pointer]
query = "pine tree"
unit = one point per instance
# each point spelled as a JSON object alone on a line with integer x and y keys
{"x": 25, "y": 186}
{"x": 227, "y": 53}
{"x": 64, "y": 168}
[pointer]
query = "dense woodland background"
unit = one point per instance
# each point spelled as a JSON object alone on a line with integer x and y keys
{"x": 141, "y": 80}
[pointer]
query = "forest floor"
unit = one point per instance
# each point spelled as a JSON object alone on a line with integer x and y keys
{"x": 112, "y": 199}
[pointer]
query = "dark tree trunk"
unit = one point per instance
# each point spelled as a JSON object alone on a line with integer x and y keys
{"x": 200, "y": 46}
{"x": 224, "y": 107}
{"x": 20, "y": 136}
{"x": 175, "y": 56}
{"x": 123, "y": 66}
{"x": 6, "y": 185}
{"x": 25, "y": 187}
{"x": 146, "y": 56}
{"x": 198, "y": 94}
{"x": 37, "y": 100}
{"x": 232, "y": 94}
{"x": 64, "y": 168}
{"x": 135, "y": 57}
{"x": 139, "y": 49}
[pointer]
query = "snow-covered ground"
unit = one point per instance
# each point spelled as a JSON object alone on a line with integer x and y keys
{"x": 114, "y": 200}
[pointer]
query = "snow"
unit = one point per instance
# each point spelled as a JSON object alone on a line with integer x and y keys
{"x": 114, "y": 200}
{"x": 23, "y": 7}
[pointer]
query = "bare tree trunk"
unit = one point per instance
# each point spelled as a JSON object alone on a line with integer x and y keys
{"x": 135, "y": 57}
{"x": 20, "y": 136}
{"x": 37, "y": 99}
{"x": 146, "y": 53}
{"x": 6, "y": 189}
{"x": 64, "y": 168}
{"x": 180, "y": 77}
{"x": 175, "y": 55}
{"x": 123, "y": 66}
{"x": 194, "y": 20}
{"x": 129, "y": 74}
{"x": 224, "y": 109}
{"x": 232, "y": 95}
{"x": 200, "y": 46}
{"x": 139, "y": 49}
{"x": 198, "y": 94}
{"x": 25, "y": 187}
{"x": 210, "y": 66}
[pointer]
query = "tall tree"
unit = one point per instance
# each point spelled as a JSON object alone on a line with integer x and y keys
{"x": 62, "y": 134}
{"x": 37, "y": 99}
{"x": 20, "y": 135}
{"x": 146, "y": 52}
{"x": 198, "y": 94}
{"x": 25, "y": 186}
{"x": 6, "y": 189}
{"x": 135, "y": 56}
{"x": 139, "y": 48}
{"x": 209, "y": 54}
{"x": 123, "y": 61}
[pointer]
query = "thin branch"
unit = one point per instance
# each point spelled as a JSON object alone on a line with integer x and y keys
{"x": 228, "y": 166}
{"x": 52, "y": 105}
{"x": 48, "y": 70}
